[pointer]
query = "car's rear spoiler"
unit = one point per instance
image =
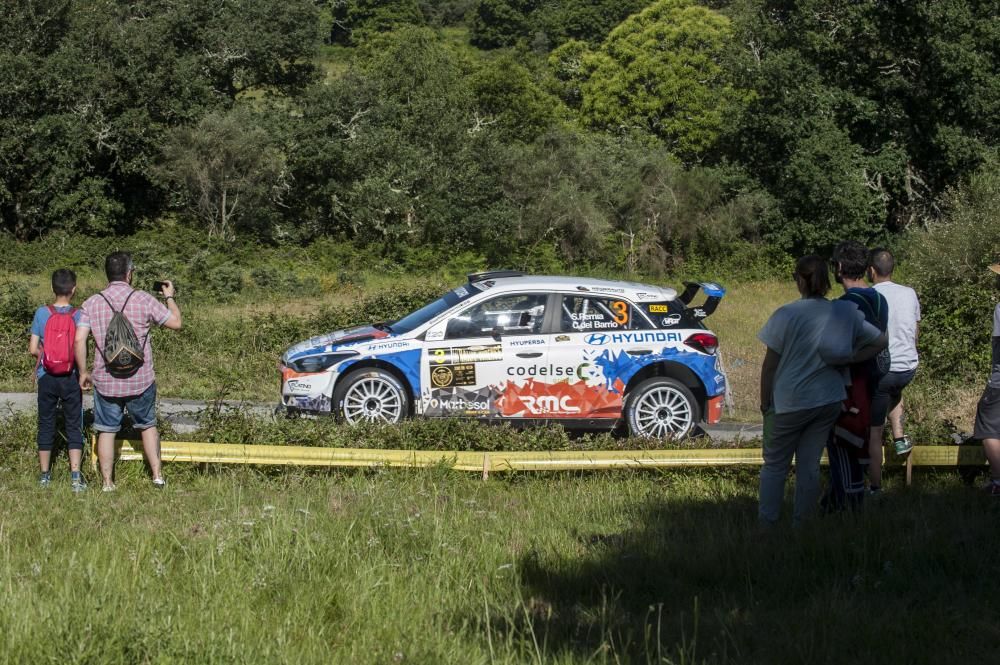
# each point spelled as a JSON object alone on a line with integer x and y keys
{"x": 713, "y": 292}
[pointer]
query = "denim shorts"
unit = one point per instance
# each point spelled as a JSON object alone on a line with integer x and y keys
{"x": 108, "y": 411}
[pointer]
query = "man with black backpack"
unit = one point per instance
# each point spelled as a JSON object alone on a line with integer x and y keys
{"x": 52, "y": 336}
{"x": 120, "y": 318}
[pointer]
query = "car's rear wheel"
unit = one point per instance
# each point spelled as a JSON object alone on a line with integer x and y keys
{"x": 371, "y": 395}
{"x": 660, "y": 407}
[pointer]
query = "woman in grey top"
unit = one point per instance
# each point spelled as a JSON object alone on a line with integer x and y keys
{"x": 800, "y": 388}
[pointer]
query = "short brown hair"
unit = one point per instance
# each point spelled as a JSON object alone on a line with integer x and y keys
{"x": 882, "y": 262}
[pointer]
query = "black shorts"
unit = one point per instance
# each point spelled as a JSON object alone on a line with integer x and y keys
{"x": 888, "y": 394}
{"x": 988, "y": 415}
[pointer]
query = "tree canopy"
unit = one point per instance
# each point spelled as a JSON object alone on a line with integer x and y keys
{"x": 635, "y": 135}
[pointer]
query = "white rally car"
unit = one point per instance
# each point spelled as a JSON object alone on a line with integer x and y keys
{"x": 508, "y": 346}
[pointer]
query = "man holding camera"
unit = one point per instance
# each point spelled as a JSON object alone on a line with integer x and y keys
{"x": 120, "y": 319}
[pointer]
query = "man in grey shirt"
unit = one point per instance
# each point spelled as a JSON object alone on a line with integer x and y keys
{"x": 987, "y": 428}
{"x": 904, "y": 323}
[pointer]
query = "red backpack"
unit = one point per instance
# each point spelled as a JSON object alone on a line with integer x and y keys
{"x": 57, "y": 345}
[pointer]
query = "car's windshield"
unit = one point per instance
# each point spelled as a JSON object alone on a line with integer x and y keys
{"x": 430, "y": 310}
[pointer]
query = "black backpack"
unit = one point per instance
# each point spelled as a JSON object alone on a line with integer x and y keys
{"x": 123, "y": 354}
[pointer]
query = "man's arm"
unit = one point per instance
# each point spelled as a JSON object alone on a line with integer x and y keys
{"x": 33, "y": 348}
{"x": 80, "y": 351}
{"x": 871, "y": 349}
{"x": 767, "y": 371}
{"x": 174, "y": 322}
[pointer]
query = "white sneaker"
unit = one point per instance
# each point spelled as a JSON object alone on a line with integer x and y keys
{"x": 109, "y": 488}
{"x": 159, "y": 483}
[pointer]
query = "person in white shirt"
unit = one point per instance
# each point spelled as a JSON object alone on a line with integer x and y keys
{"x": 904, "y": 324}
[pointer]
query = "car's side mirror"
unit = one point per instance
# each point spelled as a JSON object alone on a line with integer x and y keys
{"x": 456, "y": 328}
{"x": 497, "y": 332}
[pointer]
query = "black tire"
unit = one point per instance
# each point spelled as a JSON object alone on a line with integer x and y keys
{"x": 370, "y": 394}
{"x": 660, "y": 407}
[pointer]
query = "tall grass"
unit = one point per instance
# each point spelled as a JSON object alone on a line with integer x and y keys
{"x": 276, "y": 566}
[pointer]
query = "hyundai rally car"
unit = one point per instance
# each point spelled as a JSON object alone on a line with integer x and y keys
{"x": 507, "y": 346}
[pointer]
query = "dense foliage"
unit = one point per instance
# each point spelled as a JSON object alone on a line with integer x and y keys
{"x": 947, "y": 265}
{"x": 631, "y": 136}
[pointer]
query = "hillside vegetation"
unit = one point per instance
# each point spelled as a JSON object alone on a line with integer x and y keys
{"x": 650, "y": 139}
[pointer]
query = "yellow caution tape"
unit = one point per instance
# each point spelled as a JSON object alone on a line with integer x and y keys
{"x": 561, "y": 460}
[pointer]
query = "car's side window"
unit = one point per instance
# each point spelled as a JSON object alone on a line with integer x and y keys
{"x": 510, "y": 314}
{"x": 591, "y": 313}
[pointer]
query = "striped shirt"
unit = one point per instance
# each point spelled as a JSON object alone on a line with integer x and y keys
{"x": 142, "y": 311}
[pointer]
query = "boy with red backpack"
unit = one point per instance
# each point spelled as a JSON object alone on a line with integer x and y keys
{"x": 52, "y": 334}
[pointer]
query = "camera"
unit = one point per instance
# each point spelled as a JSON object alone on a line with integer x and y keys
{"x": 158, "y": 287}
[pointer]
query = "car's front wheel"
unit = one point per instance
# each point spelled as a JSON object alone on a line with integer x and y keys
{"x": 371, "y": 395}
{"x": 661, "y": 407}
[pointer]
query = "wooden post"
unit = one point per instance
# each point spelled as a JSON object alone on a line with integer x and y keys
{"x": 486, "y": 466}
{"x": 909, "y": 469}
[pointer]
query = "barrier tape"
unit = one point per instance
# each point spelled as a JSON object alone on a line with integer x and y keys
{"x": 557, "y": 460}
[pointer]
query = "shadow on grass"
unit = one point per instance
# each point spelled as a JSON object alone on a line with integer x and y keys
{"x": 912, "y": 579}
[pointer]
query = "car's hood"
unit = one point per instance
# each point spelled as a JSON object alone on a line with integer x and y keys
{"x": 336, "y": 339}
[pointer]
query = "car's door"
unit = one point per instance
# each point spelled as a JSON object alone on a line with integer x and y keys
{"x": 483, "y": 361}
{"x": 591, "y": 332}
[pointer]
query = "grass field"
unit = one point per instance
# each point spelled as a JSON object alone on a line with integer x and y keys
{"x": 258, "y": 565}
{"x": 279, "y": 566}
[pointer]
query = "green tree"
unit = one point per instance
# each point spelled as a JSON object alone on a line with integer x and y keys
{"x": 224, "y": 171}
{"x": 568, "y": 68}
{"x": 498, "y": 23}
{"x": 585, "y": 20}
{"x": 89, "y": 89}
{"x": 910, "y": 90}
{"x": 392, "y": 153}
{"x": 660, "y": 72}
{"x": 356, "y": 20}
{"x": 507, "y": 96}
{"x": 947, "y": 265}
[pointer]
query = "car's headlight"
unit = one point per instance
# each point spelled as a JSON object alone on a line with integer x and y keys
{"x": 318, "y": 363}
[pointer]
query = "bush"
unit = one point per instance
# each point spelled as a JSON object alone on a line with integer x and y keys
{"x": 417, "y": 434}
{"x": 948, "y": 268}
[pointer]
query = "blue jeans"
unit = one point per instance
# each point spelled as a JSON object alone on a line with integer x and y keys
{"x": 109, "y": 411}
{"x": 800, "y": 434}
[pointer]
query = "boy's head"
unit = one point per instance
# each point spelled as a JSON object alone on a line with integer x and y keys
{"x": 118, "y": 267}
{"x": 63, "y": 282}
{"x": 850, "y": 260}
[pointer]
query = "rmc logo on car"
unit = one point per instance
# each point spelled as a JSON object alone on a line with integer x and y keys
{"x": 600, "y": 339}
{"x": 542, "y": 404}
